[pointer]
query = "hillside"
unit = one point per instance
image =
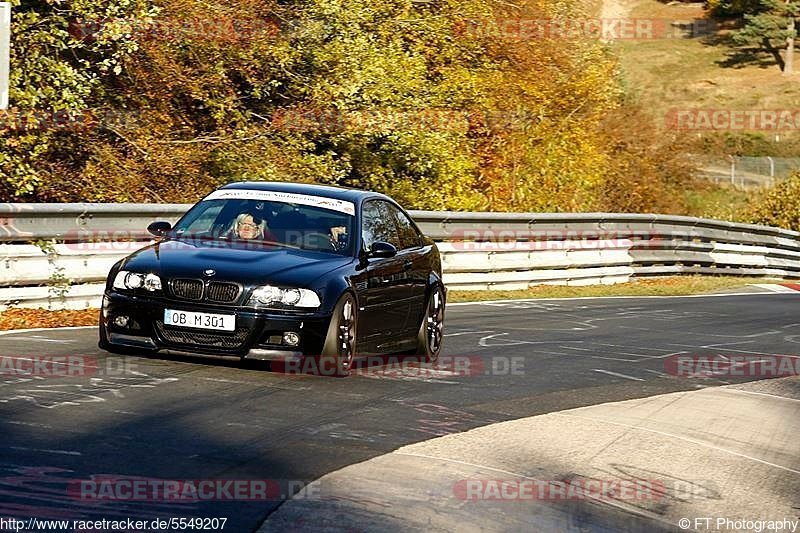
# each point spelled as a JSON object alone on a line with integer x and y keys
{"x": 694, "y": 70}
{"x": 703, "y": 72}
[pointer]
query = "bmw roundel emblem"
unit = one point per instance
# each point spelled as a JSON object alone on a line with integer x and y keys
{"x": 209, "y": 272}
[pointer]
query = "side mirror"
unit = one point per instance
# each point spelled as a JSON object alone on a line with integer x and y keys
{"x": 159, "y": 229}
{"x": 382, "y": 249}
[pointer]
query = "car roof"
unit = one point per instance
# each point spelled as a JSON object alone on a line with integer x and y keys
{"x": 330, "y": 191}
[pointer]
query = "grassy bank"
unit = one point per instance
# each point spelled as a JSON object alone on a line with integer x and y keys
{"x": 670, "y": 286}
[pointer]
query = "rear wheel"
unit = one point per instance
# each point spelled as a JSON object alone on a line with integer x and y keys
{"x": 431, "y": 331}
{"x": 340, "y": 343}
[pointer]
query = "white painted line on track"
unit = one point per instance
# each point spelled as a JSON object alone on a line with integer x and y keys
{"x": 36, "y": 359}
{"x": 16, "y": 331}
{"x": 576, "y": 348}
{"x": 31, "y": 424}
{"x": 663, "y": 356}
{"x": 39, "y": 450}
{"x": 222, "y": 380}
{"x": 712, "y": 346}
{"x": 457, "y": 333}
{"x": 270, "y": 385}
{"x": 38, "y": 338}
{"x": 627, "y": 347}
{"x": 616, "y": 374}
{"x": 722, "y": 295}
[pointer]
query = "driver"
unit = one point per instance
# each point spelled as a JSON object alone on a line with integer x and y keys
{"x": 334, "y": 235}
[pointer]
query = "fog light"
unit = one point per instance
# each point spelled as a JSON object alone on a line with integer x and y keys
{"x": 291, "y": 338}
{"x": 121, "y": 321}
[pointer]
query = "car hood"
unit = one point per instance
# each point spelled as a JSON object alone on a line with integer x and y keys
{"x": 248, "y": 265}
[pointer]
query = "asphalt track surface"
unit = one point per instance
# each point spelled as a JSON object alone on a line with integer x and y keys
{"x": 198, "y": 418}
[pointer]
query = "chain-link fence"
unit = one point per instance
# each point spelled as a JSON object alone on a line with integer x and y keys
{"x": 747, "y": 172}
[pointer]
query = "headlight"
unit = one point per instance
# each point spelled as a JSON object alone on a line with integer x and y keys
{"x": 291, "y": 297}
{"x": 152, "y": 282}
{"x": 133, "y": 280}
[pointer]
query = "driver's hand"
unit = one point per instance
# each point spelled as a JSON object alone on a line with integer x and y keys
{"x": 335, "y": 232}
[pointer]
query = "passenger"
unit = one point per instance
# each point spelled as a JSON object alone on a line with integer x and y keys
{"x": 249, "y": 227}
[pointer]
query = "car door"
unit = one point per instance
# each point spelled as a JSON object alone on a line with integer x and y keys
{"x": 415, "y": 265}
{"x": 385, "y": 303}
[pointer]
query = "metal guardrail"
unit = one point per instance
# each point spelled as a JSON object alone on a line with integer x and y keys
{"x": 32, "y": 222}
{"x": 57, "y": 255}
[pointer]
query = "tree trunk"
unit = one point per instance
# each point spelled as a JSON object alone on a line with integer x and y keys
{"x": 788, "y": 62}
{"x": 775, "y": 51}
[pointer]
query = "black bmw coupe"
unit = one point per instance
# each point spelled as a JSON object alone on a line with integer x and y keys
{"x": 280, "y": 271}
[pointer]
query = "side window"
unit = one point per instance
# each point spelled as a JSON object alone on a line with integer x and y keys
{"x": 409, "y": 238}
{"x": 207, "y": 219}
{"x": 202, "y": 217}
{"x": 378, "y": 224}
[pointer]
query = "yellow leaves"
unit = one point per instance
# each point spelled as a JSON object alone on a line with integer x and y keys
{"x": 423, "y": 110}
{"x": 780, "y": 206}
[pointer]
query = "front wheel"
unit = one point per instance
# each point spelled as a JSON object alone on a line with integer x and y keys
{"x": 431, "y": 331}
{"x": 340, "y": 342}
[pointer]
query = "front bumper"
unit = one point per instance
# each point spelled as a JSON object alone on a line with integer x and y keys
{"x": 258, "y": 334}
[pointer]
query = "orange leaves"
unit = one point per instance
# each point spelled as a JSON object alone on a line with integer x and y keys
{"x": 42, "y": 318}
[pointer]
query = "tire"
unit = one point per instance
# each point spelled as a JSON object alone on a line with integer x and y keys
{"x": 431, "y": 331}
{"x": 338, "y": 352}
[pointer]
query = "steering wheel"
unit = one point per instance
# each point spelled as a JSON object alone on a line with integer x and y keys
{"x": 318, "y": 241}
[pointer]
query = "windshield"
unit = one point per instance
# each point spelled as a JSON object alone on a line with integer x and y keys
{"x": 251, "y": 220}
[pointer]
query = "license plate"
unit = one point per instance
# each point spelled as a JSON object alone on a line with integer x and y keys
{"x": 190, "y": 319}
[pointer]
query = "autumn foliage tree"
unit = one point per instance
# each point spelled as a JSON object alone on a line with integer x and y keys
{"x": 779, "y": 206}
{"x": 435, "y": 103}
